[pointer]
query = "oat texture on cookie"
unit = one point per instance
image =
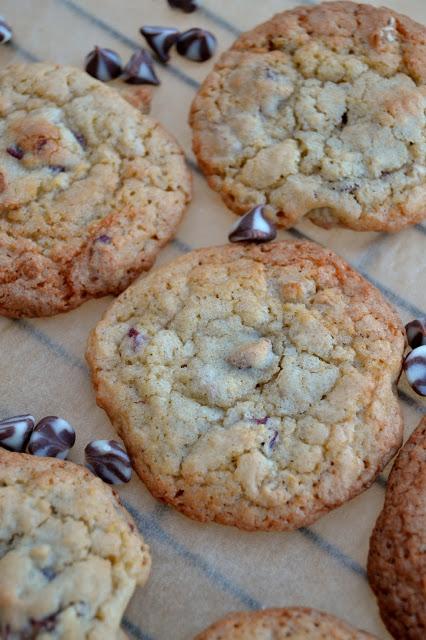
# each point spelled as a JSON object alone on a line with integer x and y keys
{"x": 320, "y": 112}
{"x": 70, "y": 555}
{"x": 90, "y": 189}
{"x": 252, "y": 385}
{"x": 294, "y": 623}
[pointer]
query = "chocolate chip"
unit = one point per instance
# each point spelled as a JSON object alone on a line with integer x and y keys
{"x": 254, "y": 226}
{"x": 345, "y": 119}
{"x": 15, "y": 432}
{"x": 103, "y": 64}
{"x": 80, "y": 139}
{"x": 269, "y": 446}
{"x": 52, "y": 437}
{"x": 15, "y": 151}
{"x": 161, "y": 40}
{"x": 416, "y": 332}
{"x": 140, "y": 69}
{"x": 5, "y": 31}
{"x": 196, "y": 44}
{"x": 104, "y": 239}
{"x": 188, "y": 6}
{"x": 48, "y": 573}
{"x": 56, "y": 168}
{"x": 415, "y": 369}
{"x": 261, "y": 420}
{"x": 109, "y": 460}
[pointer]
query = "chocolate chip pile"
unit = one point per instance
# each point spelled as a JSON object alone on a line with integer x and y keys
{"x": 415, "y": 362}
{"x": 54, "y": 437}
{"x": 194, "y": 44}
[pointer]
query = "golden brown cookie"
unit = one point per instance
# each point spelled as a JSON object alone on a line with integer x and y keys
{"x": 397, "y": 558}
{"x": 294, "y": 623}
{"x": 70, "y": 554}
{"x": 90, "y": 189}
{"x": 320, "y": 112}
{"x": 252, "y": 385}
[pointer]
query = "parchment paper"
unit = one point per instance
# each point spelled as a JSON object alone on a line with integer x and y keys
{"x": 200, "y": 572}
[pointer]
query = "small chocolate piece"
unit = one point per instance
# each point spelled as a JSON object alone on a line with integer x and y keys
{"x": 5, "y": 31}
{"x": 56, "y": 168}
{"x": 52, "y": 437}
{"x": 415, "y": 369}
{"x": 80, "y": 139}
{"x": 140, "y": 69}
{"x": 188, "y": 6}
{"x": 161, "y": 40}
{"x": 196, "y": 44}
{"x": 254, "y": 226}
{"x": 15, "y": 151}
{"x": 104, "y": 239}
{"x": 416, "y": 332}
{"x": 15, "y": 432}
{"x": 103, "y": 64}
{"x": 109, "y": 460}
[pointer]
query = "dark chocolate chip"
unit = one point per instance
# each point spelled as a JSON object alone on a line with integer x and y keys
{"x": 48, "y": 573}
{"x": 104, "y": 239}
{"x": 188, "y": 6}
{"x": 254, "y": 226}
{"x": 136, "y": 338}
{"x": 103, "y": 64}
{"x": 15, "y": 151}
{"x": 140, "y": 69}
{"x": 161, "y": 40}
{"x": 273, "y": 440}
{"x": 80, "y": 139}
{"x": 109, "y": 460}
{"x": 56, "y": 168}
{"x": 345, "y": 119}
{"x": 15, "y": 432}
{"x": 52, "y": 437}
{"x": 415, "y": 369}
{"x": 261, "y": 420}
{"x": 196, "y": 44}
{"x": 5, "y": 31}
{"x": 416, "y": 332}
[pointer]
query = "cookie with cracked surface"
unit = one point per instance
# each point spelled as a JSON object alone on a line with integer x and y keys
{"x": 320, "y": 112}
{"x": 70, "y": 554}
{"x": 397, "y": 557}
{"x": 90, "y": 189}
{"x": 280, "y": 624}
{"x": 252, "y": 385}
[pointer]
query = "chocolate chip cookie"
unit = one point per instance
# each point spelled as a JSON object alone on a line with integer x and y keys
{"x": 70, "y": 555}
{"x": 90, "y": 189}
{"x": 320, "y": 112}
{"x": 397, "y": 558}
{"x": 294, "y": 623}
{"x": 252, "y": 385}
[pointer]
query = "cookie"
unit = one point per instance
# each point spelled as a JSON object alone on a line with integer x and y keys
{"x": 320, "y": 112}
{"x": 70, "y": 555}
{"x": 139, "y": 96}
{"x": 294, "y": 623}
{"x": 90, "y": 189}
{"x": 252, "y": 385}
{"x": 397, "y": 558}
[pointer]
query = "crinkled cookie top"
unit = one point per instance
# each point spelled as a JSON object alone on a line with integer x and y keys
{"x": 90, "y": 189}
{"x": 320, "y": 112}
{"x": 252, "y": 385}
{"x": 70, "y": 555}
{"x": 295, "y": 623}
